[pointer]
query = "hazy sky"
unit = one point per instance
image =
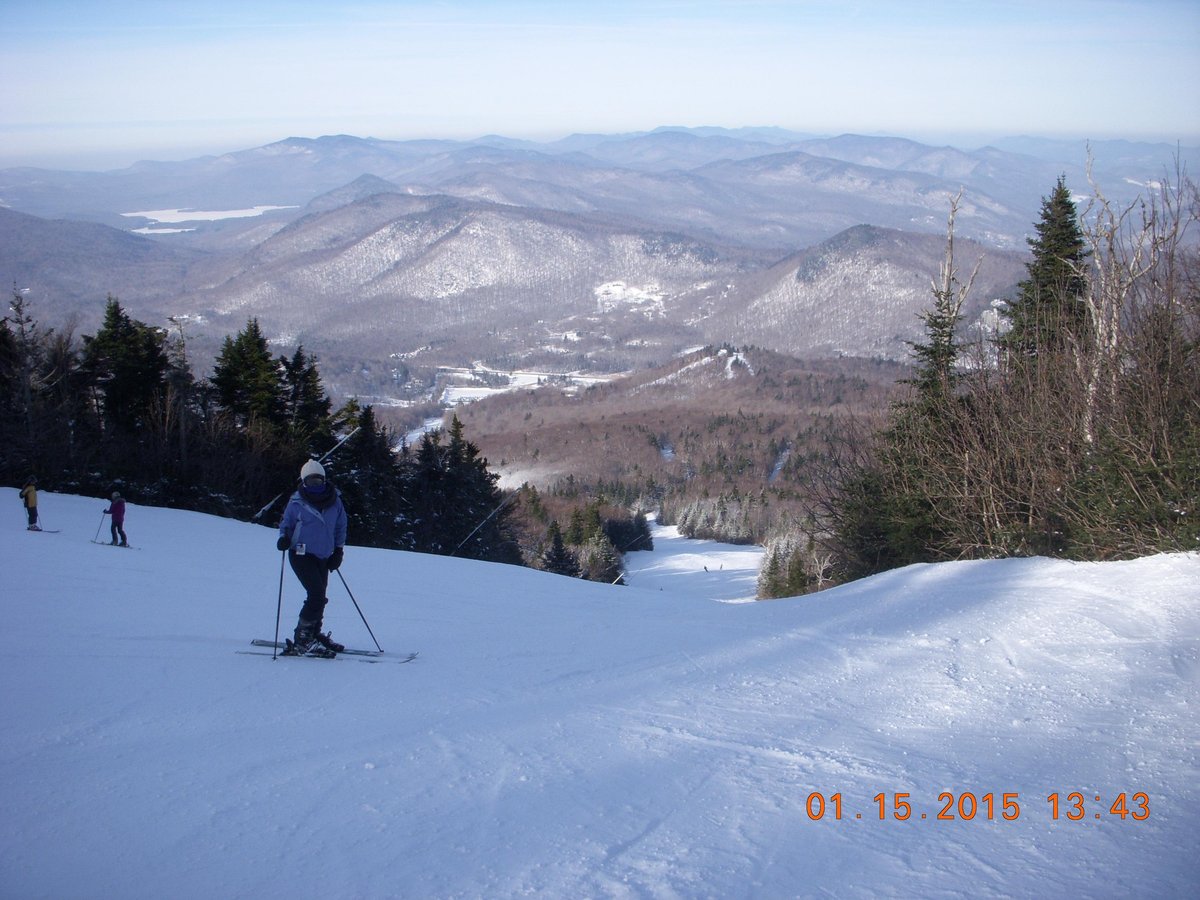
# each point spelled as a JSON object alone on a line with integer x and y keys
{"x": 94, "y": 84}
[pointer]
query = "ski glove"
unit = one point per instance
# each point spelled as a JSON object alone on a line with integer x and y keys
{"x": 335, "y": 560}
{"x": 283, "y": 543}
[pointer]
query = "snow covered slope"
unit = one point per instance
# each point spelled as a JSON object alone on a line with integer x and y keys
{"x": 557, "y": 738}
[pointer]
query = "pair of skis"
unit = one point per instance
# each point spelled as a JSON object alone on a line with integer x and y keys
{"x": 59, "y": 530}
{"x": 360, "y": 655}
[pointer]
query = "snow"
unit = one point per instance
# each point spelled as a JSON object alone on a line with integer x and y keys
{"x": 705, "y": 570}
{"x": 559, "y": 738}
{"x": 613, "y": 294}
{"x": 481, "y": 381}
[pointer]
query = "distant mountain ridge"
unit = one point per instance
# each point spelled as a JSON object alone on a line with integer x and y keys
{"x": 294, "y": 171}
{"x": 600, "y": 252}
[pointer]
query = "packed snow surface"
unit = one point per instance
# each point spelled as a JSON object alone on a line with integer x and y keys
{"x": 557, "y": 738}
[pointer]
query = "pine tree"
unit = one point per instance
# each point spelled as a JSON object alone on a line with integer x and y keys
{"x": 480, "y": 510}
{"x": 20, "y": 353}
{"x": 456, "y": 507}
{"x": 593, "y": 521}
{"x": 888, "y": 510}
{"x": 600, "y": 561}
{"x": 1049, "y": 309}
{"x": 645, "y": 540}
{"x": 10, "y": 374}
{"x": 18, "y": 361}
{"x": 770, "y": 577}
{"x": 425, "y": 497}
{"x": 181, "y": 391}
{"x": 629, "y": 534}
{"x": 368, "y": 475}
{"x": 127, "y": 362}
{"x": 576, "y": 532}
{"x": 305, "y": 404}
{"x": 248, "y": 380}
{"x": 557, "y": 558}
{"x": 28, "y": 359}
{"x": 937, "y": 358}
{"x": 531, "y": 500}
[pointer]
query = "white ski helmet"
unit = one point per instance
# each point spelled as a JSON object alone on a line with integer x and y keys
{"x": 312, "y": 467}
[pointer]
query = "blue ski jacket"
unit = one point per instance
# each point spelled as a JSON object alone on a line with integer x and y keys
{"x": 315, "y": 519}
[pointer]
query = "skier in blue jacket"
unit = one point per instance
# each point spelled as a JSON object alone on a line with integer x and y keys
{"x": 313, "y": 532}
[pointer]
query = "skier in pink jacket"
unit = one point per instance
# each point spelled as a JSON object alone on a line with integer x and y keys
{"x": 116, "y": 509}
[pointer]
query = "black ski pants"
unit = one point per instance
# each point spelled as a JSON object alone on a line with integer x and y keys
{"x": 313, "y": 573}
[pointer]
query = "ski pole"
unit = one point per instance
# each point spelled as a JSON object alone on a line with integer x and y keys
{"x": 356, "y": 606}
{"x": 279, "y": 604}
{"x": 98, "y": 527}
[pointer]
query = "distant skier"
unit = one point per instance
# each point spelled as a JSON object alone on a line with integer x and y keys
{"x": 116, "y": 509}
{"x": 313, "y": 531}
{"x": 29, "y": 498}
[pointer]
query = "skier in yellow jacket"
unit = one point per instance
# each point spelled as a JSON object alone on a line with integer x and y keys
{"x": 29, "y": 498}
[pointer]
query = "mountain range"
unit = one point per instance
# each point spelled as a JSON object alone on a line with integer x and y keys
{"x": 390, "y": 259}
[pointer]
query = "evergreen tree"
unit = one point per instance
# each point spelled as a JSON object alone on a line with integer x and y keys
{"x": 24, "y": 351}
{"x": 369, "y": 477}
{"x": 248, "y": 380}
{"x": 576, "y": 532}
{"x": 426, "y": 496}
{"x": 936, "y": 358}
{"x": 1049, "y": 310}
{"x": 787, "y": 568}
{"x": 770, "y": 579}
{"x": 644, "y": 539}
{"x": 67, "y": 431}
{"x": 600, "y": 561}
{"x": 127, "y": 362}
{"x": 481, "y": 511}
{"x": 889, "y": 513}
{"x": 305, "y": 404}
{"x": 11, "y": 404}
{"x": 455, "y": 505}
{"x": 181, "y": 388}
{"x": 469, "y": 495}
{"x": 557, "y": 558}
{"x": 629, "y": 534}
{"x": 593, "y": 522}
{"x": 16, "y": 391}
{"x": 531, "y": 500}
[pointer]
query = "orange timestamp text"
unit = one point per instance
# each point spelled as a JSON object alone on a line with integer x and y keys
{"x": 966, "y": 806}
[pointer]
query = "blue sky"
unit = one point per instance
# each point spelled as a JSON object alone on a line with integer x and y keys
{"x": 101, "y": 84}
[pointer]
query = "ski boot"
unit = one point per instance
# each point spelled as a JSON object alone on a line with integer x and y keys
{"x": 305, "y": 642}
{"x": 326, "y": 640}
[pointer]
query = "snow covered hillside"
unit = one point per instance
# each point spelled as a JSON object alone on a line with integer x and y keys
{"x": 557, "y": 738}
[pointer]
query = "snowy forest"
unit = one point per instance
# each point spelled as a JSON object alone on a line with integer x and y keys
{"x": 122, "y": 409}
